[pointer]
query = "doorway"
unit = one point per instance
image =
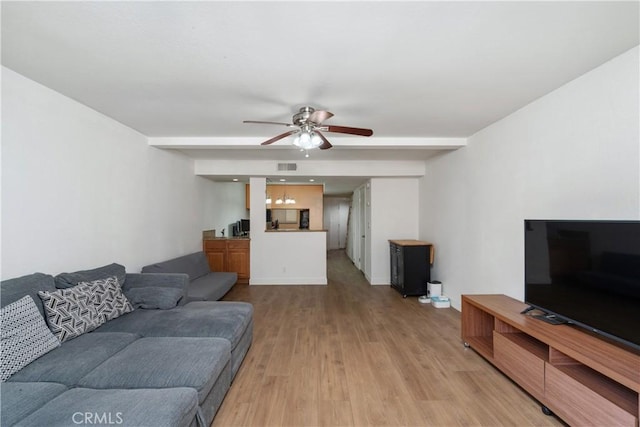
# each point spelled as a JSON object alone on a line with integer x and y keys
{"x": 336, "y": 216}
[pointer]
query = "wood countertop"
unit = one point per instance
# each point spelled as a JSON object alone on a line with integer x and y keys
{"x": 284, "y": 230}
{"x": 226, "y": 238}
{"x": 412, "y": 242}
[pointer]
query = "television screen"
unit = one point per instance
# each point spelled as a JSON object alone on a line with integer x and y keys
{"x": 586, "y": 273}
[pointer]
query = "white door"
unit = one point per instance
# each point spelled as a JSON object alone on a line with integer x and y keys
{"x": 366, "y": 232}
{"x": 336, "y": 211}
{"x": 354, "y": 246}
{"x": 343, "y": 220}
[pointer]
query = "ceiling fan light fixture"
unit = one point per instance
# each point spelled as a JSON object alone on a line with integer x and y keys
{"x": 309, "y": 123}
{"x": 307, "y": 140}
{"x": 316, "y": 141}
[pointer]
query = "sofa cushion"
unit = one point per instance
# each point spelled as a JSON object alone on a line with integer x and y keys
{"x": 212, "y": 286}
{"x": 155, "y": 297}
{"x": 224, "y": 319}
{"x": 71, "y": 312}
{"x": 25, "y": 336}
{"x": 14, "y": 289}
{"x": 68, "y": 280}
{"x": 74, "y": 359}
{"x": 195, "y": 265}
{"x": 163, "y": 363}
{"x": 157, "y": 280}
{"x": 221, "y": 319}
{"x": 21, "y": 399}
{"x": 133, "y": 323}
{"x": 109, "y": 300}
{"x": 174, "y": 407}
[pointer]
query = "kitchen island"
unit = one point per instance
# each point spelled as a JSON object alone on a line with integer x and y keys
{"x": 289, "y": 257}
{"x": 279, "y": 257}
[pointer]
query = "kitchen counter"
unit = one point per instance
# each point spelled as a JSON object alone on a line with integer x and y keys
{"x": 227, "y": 238}
{"x": 285, "y": 230}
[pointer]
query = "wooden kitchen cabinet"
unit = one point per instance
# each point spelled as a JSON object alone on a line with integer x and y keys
{"x": 216, "y": 251}
{"x": 238, "y": 258}
{"x": 229, "y": 255}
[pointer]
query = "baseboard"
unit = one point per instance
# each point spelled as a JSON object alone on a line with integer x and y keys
{"x": 289, "y": 281}
{"x": 379, "y": 281}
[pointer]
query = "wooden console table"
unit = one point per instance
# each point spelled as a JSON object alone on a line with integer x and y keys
{"x": 583, "y": 378}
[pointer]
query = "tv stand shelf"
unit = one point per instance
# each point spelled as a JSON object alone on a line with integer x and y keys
{"x": 584, "y": 379}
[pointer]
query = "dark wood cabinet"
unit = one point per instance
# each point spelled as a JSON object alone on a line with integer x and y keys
{"x": 410, "y": 266}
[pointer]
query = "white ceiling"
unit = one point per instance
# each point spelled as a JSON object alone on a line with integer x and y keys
{"x": 417, "y": 70}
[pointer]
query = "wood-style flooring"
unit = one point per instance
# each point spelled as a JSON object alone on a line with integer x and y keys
{"x": 351, "y": 354}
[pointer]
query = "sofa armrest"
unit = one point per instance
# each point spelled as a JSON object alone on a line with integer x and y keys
{"x": 162, "y": 280}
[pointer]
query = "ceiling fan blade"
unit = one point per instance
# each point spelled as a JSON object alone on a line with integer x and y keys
{"x": 319, "y": 116}
{"x": 349, "y": 130}
{"x": 325, "y": 144}
{"x": 268, "y": 123}
{"x": 279, "y": 137}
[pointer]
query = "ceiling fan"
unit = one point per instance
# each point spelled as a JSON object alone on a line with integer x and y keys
{"x": 308, "y": 128}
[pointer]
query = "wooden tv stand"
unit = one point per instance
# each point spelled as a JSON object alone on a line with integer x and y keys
{"x": 582, "y": 378}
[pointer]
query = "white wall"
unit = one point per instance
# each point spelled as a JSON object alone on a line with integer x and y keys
{"x": 284, "y": 258}
{"x": 226, "y": 205}
{"x": 80, "y": 190}
{"x": 573, "y": 153}
{"x": 394, "y": 215}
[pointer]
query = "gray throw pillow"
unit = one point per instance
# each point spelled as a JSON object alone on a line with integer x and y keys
{"x": 154, "y": 297}
{"x": 68, "y": 280}
{"x": 24, "y": 336}
{"x": 109, "y": 300}
{"x": 70, "y": 312}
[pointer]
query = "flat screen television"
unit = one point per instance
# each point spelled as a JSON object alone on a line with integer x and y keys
{"x": 244, "y": 226}
{"x": 585, "y": 273}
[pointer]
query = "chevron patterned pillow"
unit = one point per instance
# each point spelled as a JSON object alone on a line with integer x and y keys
{"x": 109, "y": 301}
{"x": 70, "y": 312}
{"x": 25, "y": 336}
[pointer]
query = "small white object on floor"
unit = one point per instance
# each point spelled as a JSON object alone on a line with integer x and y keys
{"x": 440, "y": 302}
{"x": 424, "y": 299}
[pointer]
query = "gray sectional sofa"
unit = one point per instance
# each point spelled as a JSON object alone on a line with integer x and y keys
{"x": 204, "y": 284}
{"x": 167, "y": 362}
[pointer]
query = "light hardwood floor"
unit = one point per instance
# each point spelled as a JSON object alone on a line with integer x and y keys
{"x": 351, "y": 354}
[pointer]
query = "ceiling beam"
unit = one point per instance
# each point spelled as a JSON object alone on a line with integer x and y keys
{"x": 350, "y": 142}
{"x": 406, "y": 168}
